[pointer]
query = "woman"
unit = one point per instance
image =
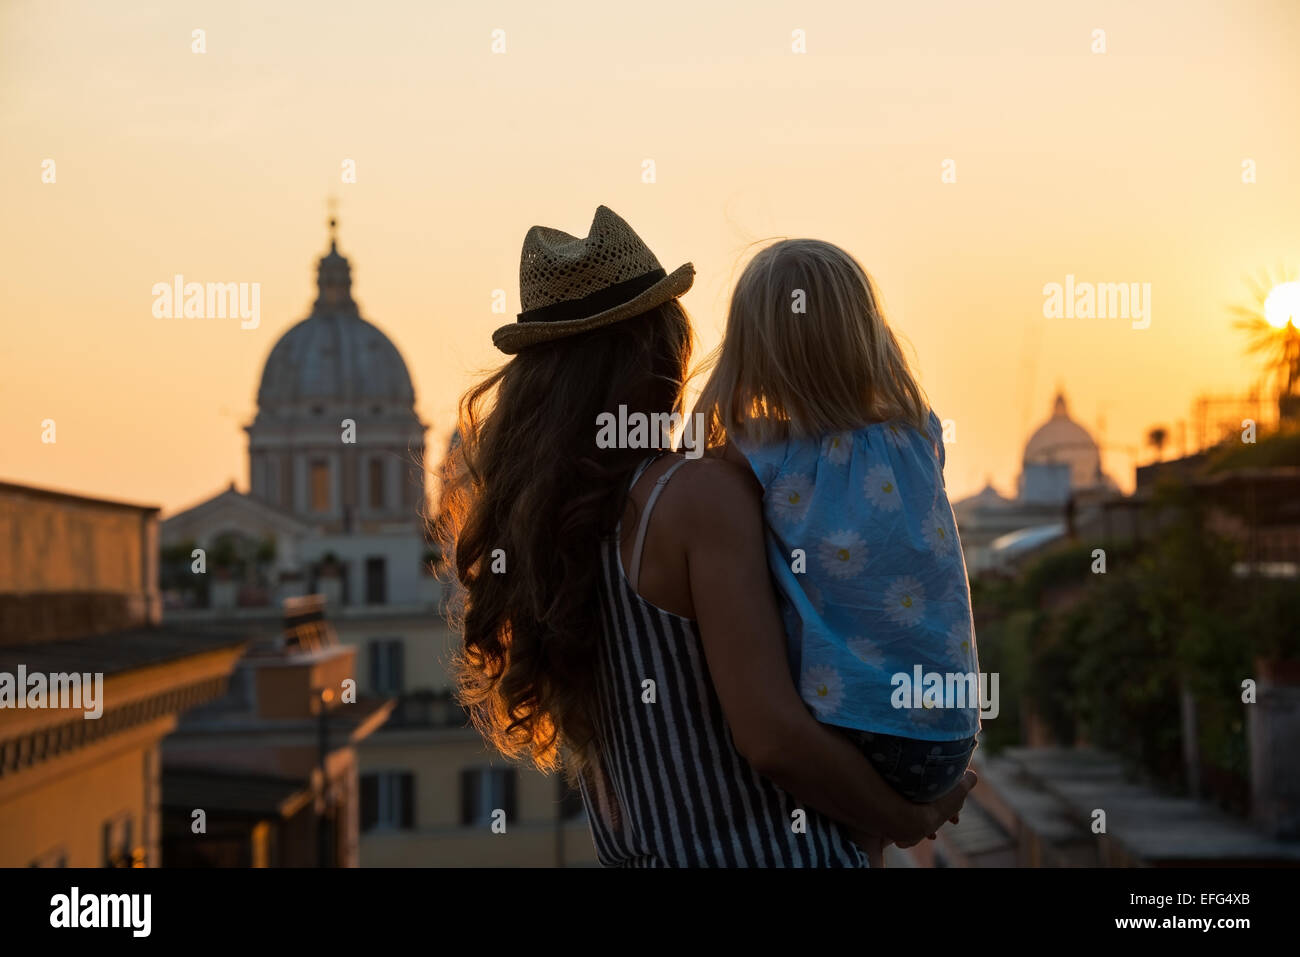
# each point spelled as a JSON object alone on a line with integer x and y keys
{"x": 624, "y": 625}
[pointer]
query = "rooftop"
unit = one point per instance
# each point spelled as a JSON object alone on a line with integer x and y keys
{"x": 114, "y": 652}
{"x": 1055, "y": 792}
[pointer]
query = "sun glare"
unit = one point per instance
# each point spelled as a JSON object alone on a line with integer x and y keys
{"x": 1283, "y": 305}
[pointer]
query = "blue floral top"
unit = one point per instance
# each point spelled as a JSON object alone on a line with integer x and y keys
{"x": 864, "y": 549}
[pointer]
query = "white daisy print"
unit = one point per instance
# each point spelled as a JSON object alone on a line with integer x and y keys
{"x": 823, "y": 689}
{"x": 961, "y": 645}
{"x": 895, "y": 433}
{"x": 837, "y": 448}
{"x": 790, "y": 496}
{"x": 843, "y": 554}
{"x": 938, "y": 533}
{"x": 881, "y": 489}
{"x": 927, "y": 714}
{"x": 905, "y": 601}
{"x": 867, "y": 652}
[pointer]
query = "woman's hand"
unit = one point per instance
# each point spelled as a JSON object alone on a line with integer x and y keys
{"x": 924, "y": 820}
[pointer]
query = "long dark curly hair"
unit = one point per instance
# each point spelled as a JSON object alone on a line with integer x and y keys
{"x": 528, "y": 497}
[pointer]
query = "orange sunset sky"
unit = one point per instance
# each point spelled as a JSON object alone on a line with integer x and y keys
{"x": 1123, "y": 166}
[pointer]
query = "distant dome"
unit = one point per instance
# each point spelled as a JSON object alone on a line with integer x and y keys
{"x": 331, "y": 357}
{"x": 987, "y": 497}
{"x": 1062, "y": 440}
{"x": 334, "y": 355}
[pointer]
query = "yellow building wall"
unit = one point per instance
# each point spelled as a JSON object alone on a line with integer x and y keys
{"x": 57, "y": 545}
{"x": 69, "y": 812}
{"x": 429, "y": 647}
{"x": 435, "y": 759}
{"x": 520, "y": 846}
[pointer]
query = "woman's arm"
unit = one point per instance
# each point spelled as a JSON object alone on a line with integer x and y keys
{"x": 744, "y": 643}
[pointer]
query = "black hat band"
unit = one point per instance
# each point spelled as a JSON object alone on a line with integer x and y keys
{"x": 602, "y": 300}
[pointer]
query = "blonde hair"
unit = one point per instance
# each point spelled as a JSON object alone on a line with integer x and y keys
{"x": 786, "y": 372}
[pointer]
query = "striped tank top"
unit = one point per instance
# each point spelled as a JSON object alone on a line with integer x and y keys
{"x": 665, "y": 785}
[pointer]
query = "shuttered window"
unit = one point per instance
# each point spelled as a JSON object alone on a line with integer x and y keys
{"x": 388, "y": 801}
{"x": 485, "y": 790}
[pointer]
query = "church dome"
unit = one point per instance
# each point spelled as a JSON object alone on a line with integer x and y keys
{"x": 987, "y": 497}
{"x": 1061, "y": 440}
{"x": 334, "y": 356}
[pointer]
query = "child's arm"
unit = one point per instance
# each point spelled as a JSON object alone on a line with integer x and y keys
{"x": 744, "y": 645}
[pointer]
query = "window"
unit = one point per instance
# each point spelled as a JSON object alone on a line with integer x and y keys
{"x": 483, "y": 791}
{"x": 376, "y": 581}
{"x": 386, "y": 661}
{"x": 376, "y": 483}
{"x": 388, "y": 801}
{"x": 286, "y": 483}
{"x": 263, "y": 478}
{"x": 320, "y": 487}
{"x": 117, "y": 841}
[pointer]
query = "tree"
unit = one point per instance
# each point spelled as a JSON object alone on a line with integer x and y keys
{"x": 1279, "y": 347}
{"x": 1157, "y": 438}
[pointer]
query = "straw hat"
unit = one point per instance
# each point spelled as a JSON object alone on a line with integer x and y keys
{"x": 568, "y": 285}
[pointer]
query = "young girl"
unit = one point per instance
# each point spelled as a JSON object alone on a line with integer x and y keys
{"x": 811, "y": 390}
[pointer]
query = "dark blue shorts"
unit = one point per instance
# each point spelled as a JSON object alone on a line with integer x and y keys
{"x": 921, "y": 771}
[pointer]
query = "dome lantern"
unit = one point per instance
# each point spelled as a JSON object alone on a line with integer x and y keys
{"x": 334, "y": 279}
{"x": 1063, "y": 441}
{"x": 336, "y": 371}
{"x": 334, "y": 356}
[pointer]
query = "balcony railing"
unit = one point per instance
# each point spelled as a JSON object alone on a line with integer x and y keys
{"x": 427, "y": 709}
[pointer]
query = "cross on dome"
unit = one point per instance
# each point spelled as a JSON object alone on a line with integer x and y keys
{"x": 334, "y": 278}
{"x": 333, "y": 356}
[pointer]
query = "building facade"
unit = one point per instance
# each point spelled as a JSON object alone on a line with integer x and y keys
{"x": 335, "y": 507}
{"x": 1060, "y": 474}
{"x": 79, "y": 611}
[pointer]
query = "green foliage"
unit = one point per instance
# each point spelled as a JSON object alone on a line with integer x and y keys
{"x": 1110, "y": 665}
{"x": 1278, "y": 449}
{"x": 176, "y": 554}
{"x": 1121, "y": 678}
{"x": 1003, "y": 649}
{"x": 225, "y": 552}
{"x": 265, "y": 553}
{"x": 1068, "y": 565}
{"x": 1272, "y": 618}
{"x": 175, "y": 570}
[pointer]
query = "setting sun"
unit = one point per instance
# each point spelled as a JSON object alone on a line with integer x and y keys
{"x": 1283, "y": 305}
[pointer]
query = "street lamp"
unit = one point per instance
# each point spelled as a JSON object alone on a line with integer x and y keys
{"x": 322, "y": 697}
